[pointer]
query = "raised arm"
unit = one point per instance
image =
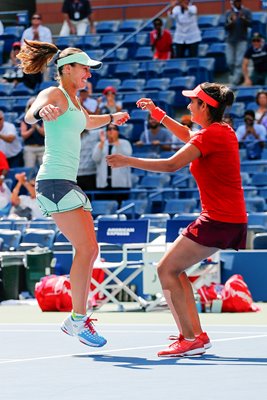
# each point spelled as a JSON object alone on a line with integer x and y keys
{"x": 179, "y": 130}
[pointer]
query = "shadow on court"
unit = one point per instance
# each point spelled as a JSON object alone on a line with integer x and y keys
{"x": 144, "y": 363}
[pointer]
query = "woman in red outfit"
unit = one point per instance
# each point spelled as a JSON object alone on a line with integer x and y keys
{"x": 213, "y": 155}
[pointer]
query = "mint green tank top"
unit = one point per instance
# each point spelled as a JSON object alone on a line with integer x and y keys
{"x": 63, "y": 144}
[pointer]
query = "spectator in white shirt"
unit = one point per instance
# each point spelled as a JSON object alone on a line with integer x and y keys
{"x": 37, "y": 31}
{"x": 10, "y": 144}
{"x": 187, "y": 33}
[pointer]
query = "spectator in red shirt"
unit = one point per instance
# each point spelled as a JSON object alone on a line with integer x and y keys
{"x": 161, "y": 41}
{"x": 213, "y": 155}
{"x": 4, "y": 167}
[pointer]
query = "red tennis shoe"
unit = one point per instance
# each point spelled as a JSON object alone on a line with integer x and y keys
{"x": 183, "y": 347}
{"x": 203, "y": 336}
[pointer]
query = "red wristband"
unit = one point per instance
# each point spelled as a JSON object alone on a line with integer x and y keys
{"x": 158, "y": 114}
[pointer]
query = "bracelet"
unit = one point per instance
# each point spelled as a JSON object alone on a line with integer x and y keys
{"x": 111, "y": 118}
{"x": 37, "y": 115}
{"x": 158, "y": 114}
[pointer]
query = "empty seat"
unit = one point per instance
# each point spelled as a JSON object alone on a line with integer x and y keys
{"x": 157, "y": 220}
{"x": 6, "y": 88}
{"x": 65, "y": 41}
{"x": 174, "y": 68}
{"x": 134, "y": 208}
{"x": 144, "y": 53}
{"x": 260, "y": 241}
{"x": 130, "y": 25}
{"x": 213, "y": 35}
{"x": 129, "y": 101}
{"x": 236, "y": 110}
{"x": 130, "y": 85}
{"x": 255, "y": 204}
{"x": 37, "y": 237}
{"x": 61, "y": 243}
{"x": 179, "y": 84}
{"x": 259, "y": 179}
{"x": 110, "y": 40}
{"x": 103, "y": 83}
{"x": 120, "y": 54}
{"x": 208, "y": 21}
{"x": 166, "y": 100}
{"x": 91, "y": 42}
{"x": 218, "y": 50}
{"x": 154, "y": 181}
{"x": 107, "y": 26}
{"x": 157, "y": 84}
{"x": 201, "y": 68}
{"x": 173, "y": 206}
{"x": 126, "y": 70}
{"x": 150, "y": 69}
{"x": 246, "y": 94}
{"x": 22, "y": 90}
{"x": 11, "y": 239}
{"x": 104, "y": 207}
{"x": 258, "y": 219}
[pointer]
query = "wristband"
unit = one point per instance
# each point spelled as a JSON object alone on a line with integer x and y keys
{"x": 158, "y": 114}
{"x": 36, "y": 114}
{"x": 111, "y": 118}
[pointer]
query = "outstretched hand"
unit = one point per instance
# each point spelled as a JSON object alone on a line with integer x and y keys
{"x": 49, "y": 112}
{"x": 117, "y": 160}
{"x": 145, "y": 104}
{"x": 120, "y": 118}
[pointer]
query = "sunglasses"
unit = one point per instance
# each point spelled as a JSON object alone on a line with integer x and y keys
{"x": 256, "y": 40}
{"x": 36, "y": 17}
{"x": 113, "y": 129}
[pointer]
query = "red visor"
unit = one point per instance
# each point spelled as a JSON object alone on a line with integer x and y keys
{"x": 200, "y": 94}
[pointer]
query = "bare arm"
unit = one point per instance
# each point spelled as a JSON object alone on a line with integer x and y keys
{"x": 247, "y": 80}
{"x": 97, "y": 121}
{"x": 8, "y": 138}
{"x": 50, "y": 103}
{"x": 179, "y": 160}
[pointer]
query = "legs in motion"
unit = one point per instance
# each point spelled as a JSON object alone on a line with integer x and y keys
{"x": 177, "y": 288}
{"x": 77, "y": 225}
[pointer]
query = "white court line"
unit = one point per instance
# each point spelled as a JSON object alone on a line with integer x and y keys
{"x": 126, "y": 324}
{"x": 10, "y": 361}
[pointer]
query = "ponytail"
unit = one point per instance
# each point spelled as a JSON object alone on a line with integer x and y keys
{"x": 35, "y": 55}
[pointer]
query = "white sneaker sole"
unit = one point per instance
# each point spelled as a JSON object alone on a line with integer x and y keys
{"x": 195, "y": 352}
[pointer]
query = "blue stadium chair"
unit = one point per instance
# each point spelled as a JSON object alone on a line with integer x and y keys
{"x": 16, "y": 31}
{"x": 181, "y": 83}
{"x": 110, "y": 40}
{"x": 132, "y": 44}
{"x": 5, "y": 210}
{"x": 202, "y": 49}
{"x": 259, "y": 22}
{"x": 22, "y": 90}
{"x": 157, "y": 84}
{"x": 154, "y": 181}
{"x": 264, "y": 154}
{"x": 246, "y": 179}
{"x": 246, "y": 94}
{"x": 61, "y": 243}
{"x": 176, "y": 225}
{"x": 103, "y": 83}
{"x": 208, "y": 21}
{"x": 11, "y": 239}
{"x": 156, "y": 220}
{"x": 107, "y": 26}
{"x": 65, "y": 41}
{"x": 20, "y": 224}
{"x": 96, "y": 54}
{"x": 11, "y": 116}
{"x": 258, "y": 219}
{"x": 104, "y": 207}
{"x": 174, "y": 68}
{"x": 19, "y": 104}
{"x": 150, "y": 69}
{"x": 126, "y": 131}
{"x": 260, "y": 241}
{"x": 43, "y": 224}
{"x": 252, "y": 105}
{"x": 213, "y": 35}
{"x": 132, "y": 85}
{"x": 130, "y": 25}
{"x": 259, "y": 179}
{"x": 90, "y": 42}
{"x": 6, "y": 224}
{"x": 129, "y": 101}
{"x": 173, "y": 206}
{"x": 46, "y": 84}
{"x": 134, "y": 208}
{"x": 144, "y": 53}
{"x": 149, "y": 27}
{"x": 6, "y": 104}
{"x": 11, "y": 34}
{"x": 166, "y": 100}
{"x": 138, "y": 121}
{"x": 126, "y": 70}
{"x": 36, "y": 237}
{"x": 201, "y": 68}
{"x": 120, "y": 54}
{"x": 255, "y": 204}
{"x": 217, "y": 51}
{"x": 6, "y": 88}
{"x": 236, "y": 110}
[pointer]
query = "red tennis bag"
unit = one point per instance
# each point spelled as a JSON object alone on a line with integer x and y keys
{"x": 53, "y": 293}
{"x": 236, "y": 296}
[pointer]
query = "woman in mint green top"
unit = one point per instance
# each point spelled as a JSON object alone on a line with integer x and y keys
{"x": 57, "y": 192}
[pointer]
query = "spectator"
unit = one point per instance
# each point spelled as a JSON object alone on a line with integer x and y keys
{"x": 77, "y": 14}
{"x": 257, "y": 52}
{"x": 154, "y": 134}
{"x": 86, "y": 177}
{"x": 251, "y": 136}
{"x": 24, "y": 205}
{"x": 261, "y": 100}
{"x": 107, "y": 178}
{"x": 161, "y": 41}
{"x": 10, "y": 143}
{"x": 33, "y": 136}
{"x": 187, "y": 34}
{"x": 1, "y": 28}
{"x": 13, "y": 74}
{"x": 108, "y": 104}
{"x": 5, "y": 194}
{"x": 90, "y": 104}
{"x": 237, "y": 22}
{"x": 37, "y": 31}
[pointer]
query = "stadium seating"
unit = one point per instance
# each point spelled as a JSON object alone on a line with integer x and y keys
{"x": 107, "y": 26}
{"x": 126, "y": 70}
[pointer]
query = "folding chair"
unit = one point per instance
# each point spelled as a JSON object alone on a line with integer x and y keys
{"x": 126, "y": 239}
